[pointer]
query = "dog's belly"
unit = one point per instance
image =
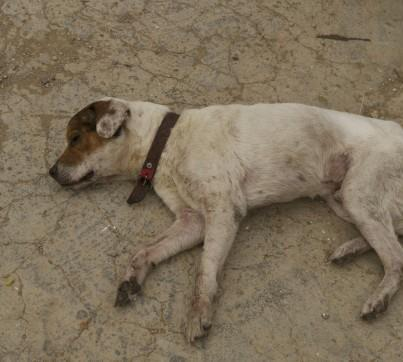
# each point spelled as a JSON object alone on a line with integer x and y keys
{"x": 262, "y": 191}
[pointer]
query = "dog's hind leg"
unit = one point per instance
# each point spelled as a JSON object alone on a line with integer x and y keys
{"x": 349, "y": 249}
{"x": 338, "y": 208}
{"x": 375, "y": 224}
{"x": 186, "y": 232}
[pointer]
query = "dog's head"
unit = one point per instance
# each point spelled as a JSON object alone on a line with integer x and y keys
{"x": 96, "y": 140}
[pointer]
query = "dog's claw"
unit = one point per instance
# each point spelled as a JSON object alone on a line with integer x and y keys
{"x": 341, "y": 256}
{"x": 368, "y": 316}
{"x": 126, "y": 290}
{"x": 199, "y": 323}
{"x": 372, "y": 308}
{"x": 340, "y": 260}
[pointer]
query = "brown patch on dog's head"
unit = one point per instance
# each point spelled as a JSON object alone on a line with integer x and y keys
{"x": 81, "y": 134}
{"x": 87, "y": 131}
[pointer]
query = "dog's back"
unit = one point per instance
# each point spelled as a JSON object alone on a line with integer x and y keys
{"x": 254, "y": 142}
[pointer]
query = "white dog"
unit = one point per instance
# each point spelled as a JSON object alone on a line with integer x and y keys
{"x": 221, "y": 161}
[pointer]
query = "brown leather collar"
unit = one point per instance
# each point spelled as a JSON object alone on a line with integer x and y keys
{"x": 154, "y": 154}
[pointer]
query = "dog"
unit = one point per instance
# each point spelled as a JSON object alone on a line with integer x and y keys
{"x": 222, "y": 160}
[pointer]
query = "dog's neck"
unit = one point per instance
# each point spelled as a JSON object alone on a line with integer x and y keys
{"x": 145, "y": 119}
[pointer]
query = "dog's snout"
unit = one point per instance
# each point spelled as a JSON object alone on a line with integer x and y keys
{"x": 53, "y": 171}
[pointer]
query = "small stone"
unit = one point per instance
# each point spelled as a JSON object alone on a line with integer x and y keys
{"x": 5, "y": 76}
{"x": 9, "y": 281}
{"x": 54, "y": 57}
{"x": 247, "y": 228}
{"x": 45, "y": 82}
{"x": 82, "y": 314}
{"x": 84, "y": 324}
{"x": 394, "y": 90}
{"x": 375, "y": 114}
{"x": 325, "y": 316}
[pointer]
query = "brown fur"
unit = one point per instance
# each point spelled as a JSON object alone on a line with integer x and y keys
{"x": 83, "y": 124}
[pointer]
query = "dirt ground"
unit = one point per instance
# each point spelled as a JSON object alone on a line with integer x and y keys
{"x": 62, "y": 252}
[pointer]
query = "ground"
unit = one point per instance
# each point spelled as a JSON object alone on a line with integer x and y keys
{"x": 63, "y": 252}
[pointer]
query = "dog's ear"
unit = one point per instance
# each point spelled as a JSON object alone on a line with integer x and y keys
{"x": 109, "y": 116}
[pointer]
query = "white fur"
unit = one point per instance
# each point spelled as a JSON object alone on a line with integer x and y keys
{"x": 221, "y": 161}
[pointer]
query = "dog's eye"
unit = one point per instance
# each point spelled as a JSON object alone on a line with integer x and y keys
{"x": 75, "y": 140}
{"x": 118, "y": 132}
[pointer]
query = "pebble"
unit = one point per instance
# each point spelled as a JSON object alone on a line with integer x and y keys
{"x": 82, "y": 314}
{"x": 325, "y": 316}
{"x": 5, "y": 76}
{"x": 54, "y": 57}
{"x": 375, "y": 114}
{"x": 9, "y": 281}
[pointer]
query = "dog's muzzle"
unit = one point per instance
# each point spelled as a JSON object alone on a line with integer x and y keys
{"x": 64, "y": 179}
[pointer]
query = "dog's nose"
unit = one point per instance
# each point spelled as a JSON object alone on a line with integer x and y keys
{"x": 53, "y": 171}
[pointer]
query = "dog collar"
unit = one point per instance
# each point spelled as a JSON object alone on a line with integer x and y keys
{"x": 154, "y": 154}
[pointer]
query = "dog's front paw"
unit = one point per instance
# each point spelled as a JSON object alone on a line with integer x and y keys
{"x": 126, "y": 291}
{"x": 374, "y": 306}
{"x": 199, "y": 321}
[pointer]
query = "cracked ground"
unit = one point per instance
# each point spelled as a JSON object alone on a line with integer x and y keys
{"x": 62, "y": 252}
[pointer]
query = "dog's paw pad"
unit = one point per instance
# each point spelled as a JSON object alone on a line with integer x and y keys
{"x": 195, "y": 329}
{"x": 198, "y": 324}
{"x": 126, "y": 291}
{"x": 340, "y": 259}
{"x": 342, "y": 255}
{"x": 373, "y": 307}
{"x": 368, "y": 316}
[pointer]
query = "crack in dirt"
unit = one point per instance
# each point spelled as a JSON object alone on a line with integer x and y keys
{"x": 340, "y": 37}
